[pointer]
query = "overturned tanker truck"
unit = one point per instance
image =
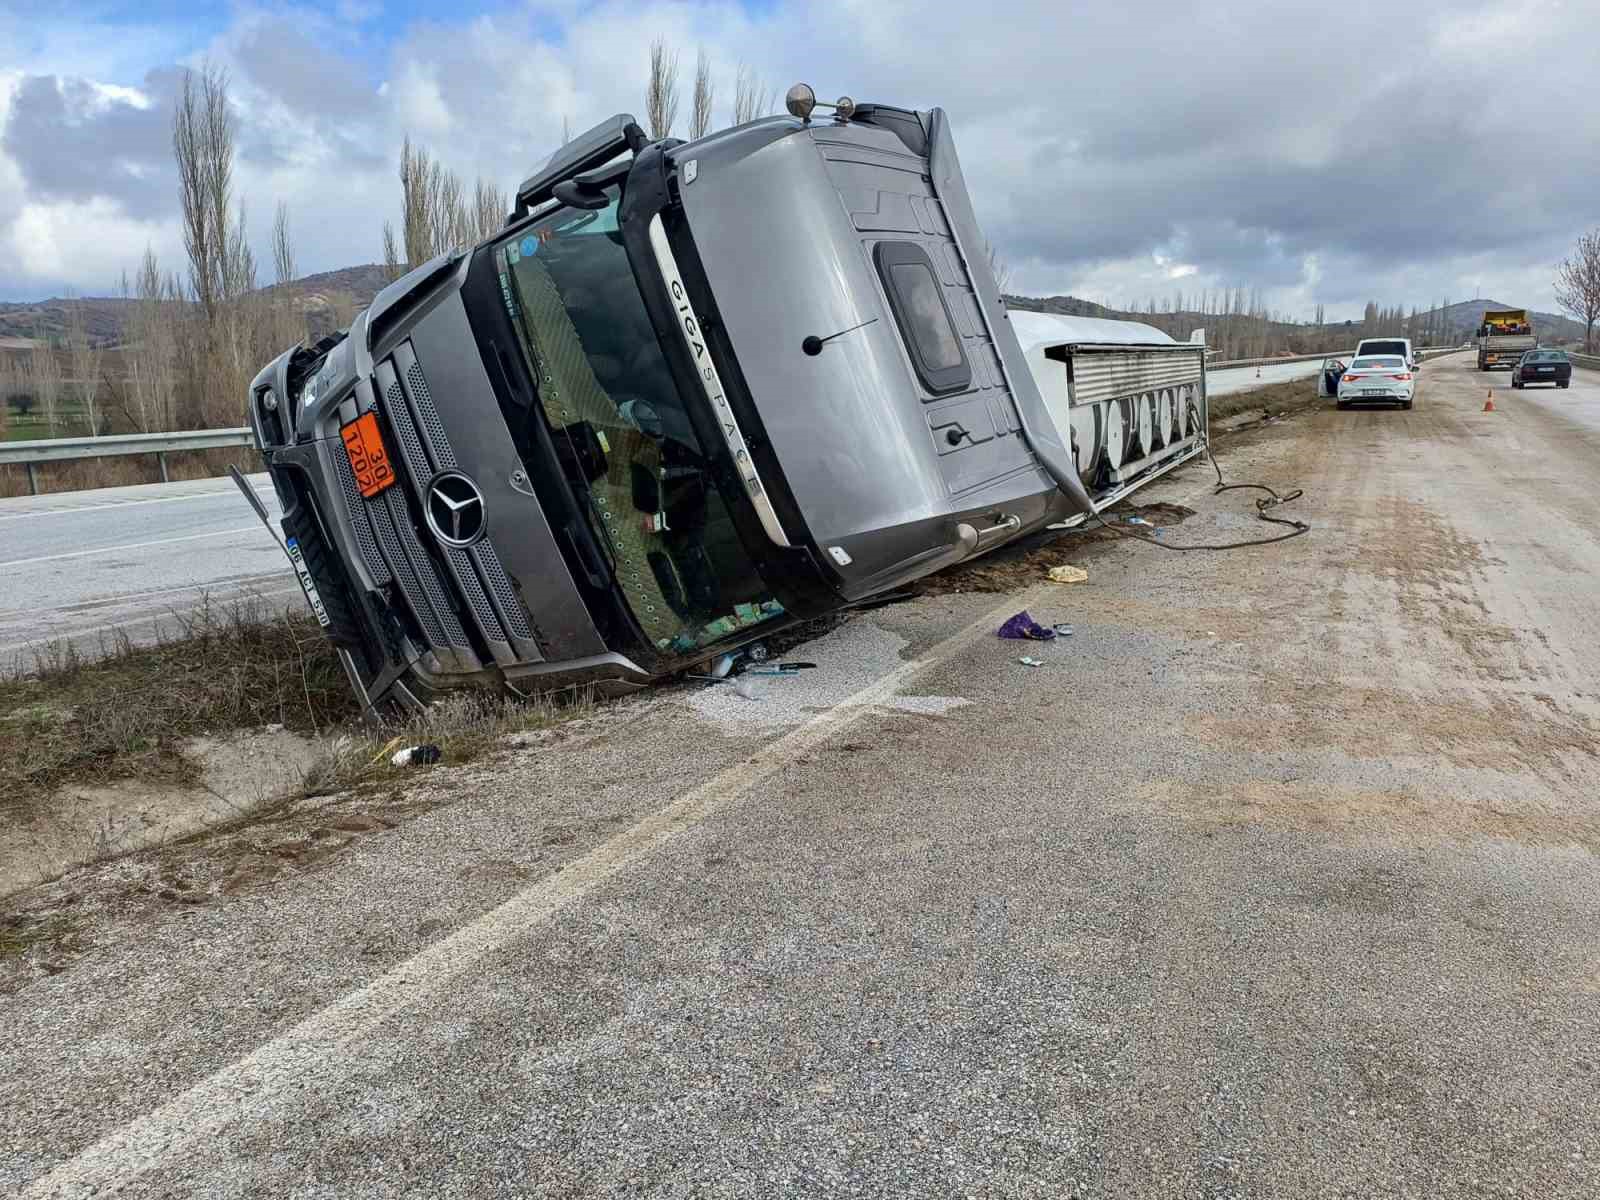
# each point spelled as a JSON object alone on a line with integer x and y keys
{"x": 692, "y": 393}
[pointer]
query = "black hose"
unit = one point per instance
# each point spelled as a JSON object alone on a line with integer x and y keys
{"x": 1271, "y": 500}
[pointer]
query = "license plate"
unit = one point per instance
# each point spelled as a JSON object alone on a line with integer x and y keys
{"x": 369, "y": 459}
{"x": 1374, "y": 391}
{"x": 1543, "y": 370}
{"x": 307, "y": 584}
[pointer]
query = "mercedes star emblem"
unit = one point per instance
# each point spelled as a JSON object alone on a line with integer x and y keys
{"x": 455, "y": 509}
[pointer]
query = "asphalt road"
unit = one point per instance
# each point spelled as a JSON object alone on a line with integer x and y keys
{"x": 77, "y": 563}
{"x": 1277, "y": 879}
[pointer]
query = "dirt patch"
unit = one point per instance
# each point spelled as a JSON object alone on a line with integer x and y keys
{"x": 1501, "y": 732}
{"x": 233, "y": 777}
{"x": 71, "y": 722}
{"x": 1311, "y": 806}
{"x": 1026, "y": 563}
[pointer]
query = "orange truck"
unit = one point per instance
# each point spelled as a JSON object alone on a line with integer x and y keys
{"x": 1504, "y": 336}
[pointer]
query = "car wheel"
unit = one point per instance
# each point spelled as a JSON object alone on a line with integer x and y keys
{"x": 1567, "y": 384}
{"x": 1406, "y": 404}
{"x": 1341, "y": 404}
{"x": 1515, "y": 384}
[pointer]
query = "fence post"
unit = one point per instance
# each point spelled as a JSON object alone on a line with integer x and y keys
{"x": 161, "y": 457}
{"x": 33, "y": 480}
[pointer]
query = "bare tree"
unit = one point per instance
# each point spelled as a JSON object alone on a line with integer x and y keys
{"x": 1002, "y": 272}
{"x": 1577, "y": 284}
{"x": 283, "y": 264}
{"x": 45, "y": 369}
{"x": 661, "y": 92}
{"x": 203, "y": 144}
{"x": 393, "y": 268}
{"x": 148, "y": 399}
{"x": 489, "y": 206}
{"x": 85, "y": 356}
{"x": 700, "y": 118}
{"x": 752, "y": 98}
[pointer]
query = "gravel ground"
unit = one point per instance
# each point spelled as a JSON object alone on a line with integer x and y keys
{"x": 1277, "y": 880}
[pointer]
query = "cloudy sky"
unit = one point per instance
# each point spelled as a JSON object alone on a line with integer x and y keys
{"x": 1117, "y": 151}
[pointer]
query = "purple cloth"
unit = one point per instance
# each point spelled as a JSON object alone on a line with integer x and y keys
{"x": 1024, "y": 627}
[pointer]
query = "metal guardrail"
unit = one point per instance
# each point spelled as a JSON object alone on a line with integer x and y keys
{"x": 1588, "y": 361}
{"x": 31, "y": 454}
{"x": 1234, "y": 363}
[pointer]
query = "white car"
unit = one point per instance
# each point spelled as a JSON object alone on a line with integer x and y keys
{"x": 1377, "y": 379}
{"x": 1367, "y": 347}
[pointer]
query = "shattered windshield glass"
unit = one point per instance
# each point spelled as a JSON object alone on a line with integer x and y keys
{"x": 623, "y": 433}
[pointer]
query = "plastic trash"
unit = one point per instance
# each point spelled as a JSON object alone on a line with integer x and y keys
{"x": 416, "y": 756}
{"x": 1030, "y": 662}
{"x": 1062, "y": 629}
{"x": 723, "y": 665}
{"x": 750, "y": 688}
{"x": 1068, "y": 574}
{"x": 1023, "y": 626}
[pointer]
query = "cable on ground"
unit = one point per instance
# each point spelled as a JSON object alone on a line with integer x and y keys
{"x": 1271, "y": 500}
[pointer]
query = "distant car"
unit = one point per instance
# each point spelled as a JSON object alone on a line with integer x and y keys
{"x": 1377, "y": 379}
{"x": 1388, "y": 345}
{"x": 1542, "y": 366}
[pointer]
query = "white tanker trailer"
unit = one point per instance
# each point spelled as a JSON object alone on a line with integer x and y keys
{"x": 1131, "y": 398}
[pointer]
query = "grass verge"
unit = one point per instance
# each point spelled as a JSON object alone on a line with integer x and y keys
{"x": 124, "y": 712}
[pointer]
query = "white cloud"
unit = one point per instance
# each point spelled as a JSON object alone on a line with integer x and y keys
{"x": 1114, "y": 152}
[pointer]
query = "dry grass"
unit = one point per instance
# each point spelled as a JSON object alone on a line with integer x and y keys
{"x": 464, "y": 726}
{"x": 127, "y": 469}
{"x": 125, "y": 711}
{"x": 1275, "y": 397}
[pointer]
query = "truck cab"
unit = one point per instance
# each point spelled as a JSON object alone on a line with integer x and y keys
{"x": 692, "y": 393}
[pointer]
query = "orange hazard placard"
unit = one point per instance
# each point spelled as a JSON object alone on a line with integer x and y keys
{"x": 368, "y": 458}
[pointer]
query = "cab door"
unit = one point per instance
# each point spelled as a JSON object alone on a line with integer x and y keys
{"x": 1328, "y": 377}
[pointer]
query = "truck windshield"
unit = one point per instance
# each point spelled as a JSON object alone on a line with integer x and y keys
{"x": 623, "y": 433}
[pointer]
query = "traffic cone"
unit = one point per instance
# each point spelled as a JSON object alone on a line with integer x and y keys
{"x": 1488, "y": 401}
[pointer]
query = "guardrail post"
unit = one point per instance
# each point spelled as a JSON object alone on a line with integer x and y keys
{"x": 33, "y": 480}
{"x": 161, "y": 457}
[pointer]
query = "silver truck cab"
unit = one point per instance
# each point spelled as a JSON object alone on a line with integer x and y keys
{"x": 692, "y": 393}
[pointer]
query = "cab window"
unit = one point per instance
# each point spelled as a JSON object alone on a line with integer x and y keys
{"x": 917, "y": 299}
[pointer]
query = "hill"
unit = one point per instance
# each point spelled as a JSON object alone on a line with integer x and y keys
{"x": 328, "y": 297}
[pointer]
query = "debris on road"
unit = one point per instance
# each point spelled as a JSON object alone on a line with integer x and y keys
{"x": 1068, "y": 574}
{"x": 1024, "y": 627}
{"x": 416, "y": 756}
{"x": 1026, "y": 661}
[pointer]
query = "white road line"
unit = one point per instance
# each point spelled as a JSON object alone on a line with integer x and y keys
{"x": 188, "y": 537}
{"x": 305, "y": 1059}
{"x": 7, "y": 614}
{"x": 66, "y": 635}
{"x": 56, "y": 512}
